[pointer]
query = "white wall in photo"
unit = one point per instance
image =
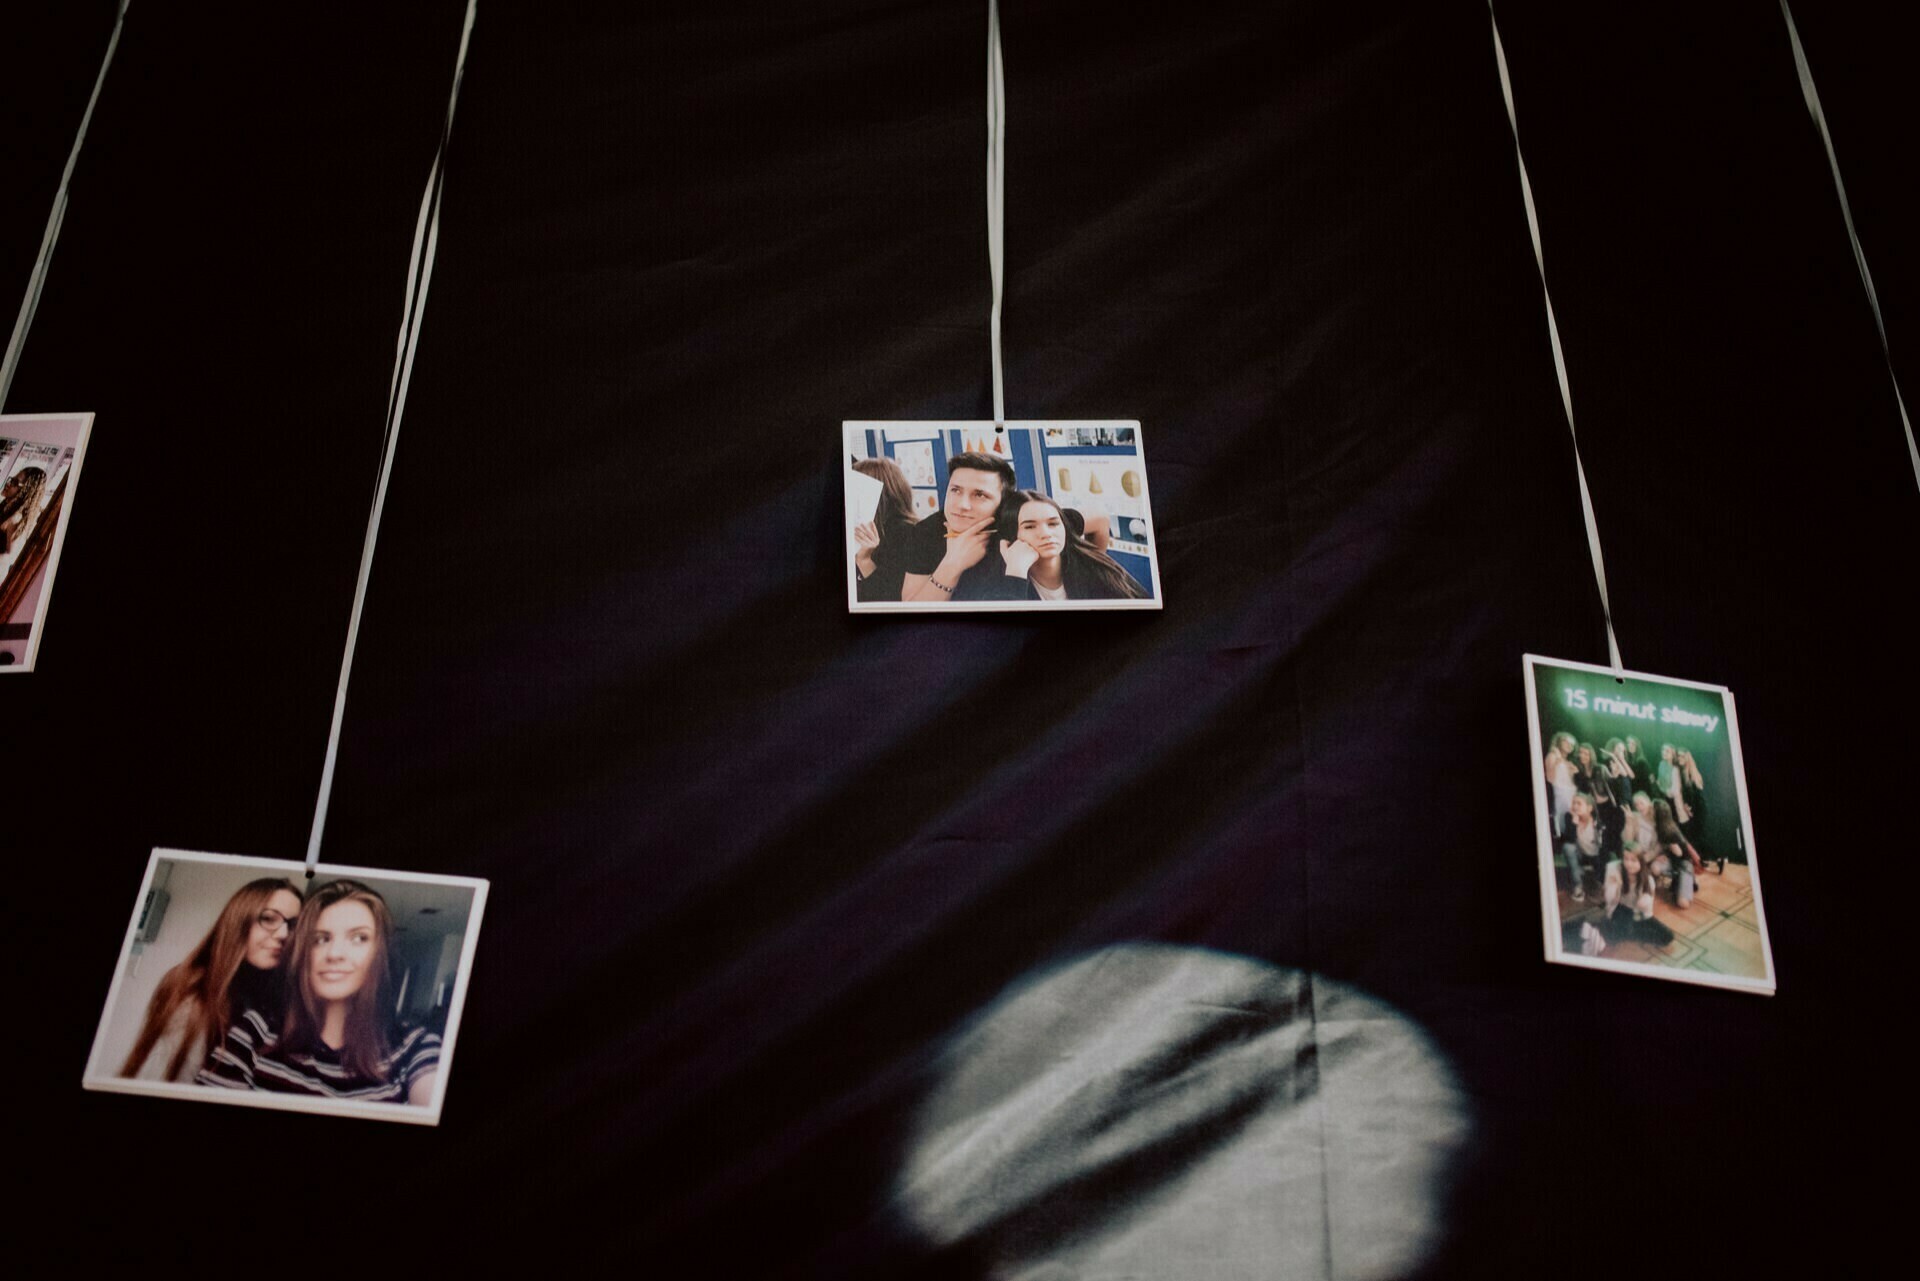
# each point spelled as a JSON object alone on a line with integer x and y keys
{"x": 430, "y": 922}
{"x": 196, "y": 893}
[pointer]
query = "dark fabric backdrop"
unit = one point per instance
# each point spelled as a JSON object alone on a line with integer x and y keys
{"x": 752, "y": 859}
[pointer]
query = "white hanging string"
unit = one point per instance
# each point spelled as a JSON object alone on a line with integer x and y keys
{"x": 426, "y": 241}
{"x": 1559, "y": 360}
{"x": 1812, "y": 97}
{"x": 37, "y": 280}
{"x": 996, "y": 193}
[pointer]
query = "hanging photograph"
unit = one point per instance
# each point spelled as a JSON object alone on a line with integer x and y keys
{"x": 946, "y": 517}
{"x": 40, "y": 458}
{"x": 242, "y": 981}
{"x": 1647, "y": 863}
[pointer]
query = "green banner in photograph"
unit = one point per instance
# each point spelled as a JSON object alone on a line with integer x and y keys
{"x": 1596, "y": 707}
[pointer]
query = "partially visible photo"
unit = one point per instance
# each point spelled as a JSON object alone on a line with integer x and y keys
{"x": 40, "y": 458}
{"x": 1646, "y": 850}
{"x": 244, "y": 981}
{"x": 977, "y": 516}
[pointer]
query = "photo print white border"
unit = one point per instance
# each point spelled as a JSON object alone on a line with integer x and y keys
{"x": 1054, "y": 433}
{"x": 18, "y": 427}
{"x": 100, "y": 1075}
{"x": 1556, "y": 952}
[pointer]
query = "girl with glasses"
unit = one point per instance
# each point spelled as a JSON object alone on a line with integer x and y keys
{"x": 340, "y": 1037}
{"x": 231, "y": 972}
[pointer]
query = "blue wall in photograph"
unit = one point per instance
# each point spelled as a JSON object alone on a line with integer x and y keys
{"x": 1029, "y": 453}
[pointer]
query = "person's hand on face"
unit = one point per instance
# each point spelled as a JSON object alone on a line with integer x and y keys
{"x": 866, "y": 537}
{"x": 1019, "y": 557}
{"x": 969, "y": 547}
{"x": 1040, "y": 534}
{"x": 971, "y": 494}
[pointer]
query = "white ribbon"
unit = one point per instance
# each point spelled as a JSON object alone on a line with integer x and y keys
{"x": 1812, "y": 97}
{"x": 426, "y": 240}
{"x": 1559, "y": 361}
{"x": 38, "y": 279}
{"x": 996, "y": 194}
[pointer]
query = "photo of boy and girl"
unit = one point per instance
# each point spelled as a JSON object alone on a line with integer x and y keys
{"x": 246, "y": 982}
{"x": 974, "y": 515}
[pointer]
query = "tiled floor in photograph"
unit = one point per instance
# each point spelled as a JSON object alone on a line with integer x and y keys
{"x": 1719, "y": 932}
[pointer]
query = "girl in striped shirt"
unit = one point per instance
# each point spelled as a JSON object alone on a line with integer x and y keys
{"x": 339, "y": 1039}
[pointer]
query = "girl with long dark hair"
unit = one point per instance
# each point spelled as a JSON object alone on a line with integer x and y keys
{"x": 1642, "y": 771}
{"x": 1682, "y": 859}
{"x": 340, "y": 1038}
{"x": 234, "y": 969}
{"x": 1586, "y": 771}
{"x": 880, "y": 542}
{"x": 1693, "y": 791}
{"x": 1063, "y": 562}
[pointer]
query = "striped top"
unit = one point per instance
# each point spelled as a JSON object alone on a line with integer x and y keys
{"x": 251, "y": 1059}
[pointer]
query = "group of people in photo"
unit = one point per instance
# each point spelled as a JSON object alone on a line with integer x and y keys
{"x": 1628, "y": 827}
{"x": 990, "y": 541}
{"x": 289, "y": 993}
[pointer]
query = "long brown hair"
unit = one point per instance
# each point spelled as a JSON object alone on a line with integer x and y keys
{"x": 1665, "y": 829}
{"x": 896, "y": 499}
{"x": 205, "y": 979}
{"x": 1085, "y": 571}
{"x": 19, "y": 510}
{"x": 369, "y": 1028}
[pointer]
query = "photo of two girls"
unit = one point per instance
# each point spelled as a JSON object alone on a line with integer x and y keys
{"x": 246, "y": 981}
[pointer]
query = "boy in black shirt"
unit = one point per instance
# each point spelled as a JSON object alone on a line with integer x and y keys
{"x": 955, "y": 555}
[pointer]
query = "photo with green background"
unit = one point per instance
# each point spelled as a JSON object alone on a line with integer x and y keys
{"x": 1597, "y": 706}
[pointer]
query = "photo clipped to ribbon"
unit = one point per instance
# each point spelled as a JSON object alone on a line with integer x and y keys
{"x": 40, "y": 457}
{"x": 973, "y": 516}
{"x": 243, "y": 981}
{"x": 1647, "y": 863}
{"x": 302, "y": 986}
